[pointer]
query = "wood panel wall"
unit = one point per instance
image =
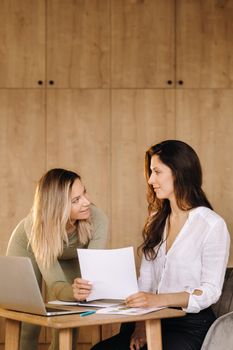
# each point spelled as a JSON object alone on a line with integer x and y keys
{"x": 78, "y": 43}
{"x": 90, "y": 84}
{"x": 22, "y": 37}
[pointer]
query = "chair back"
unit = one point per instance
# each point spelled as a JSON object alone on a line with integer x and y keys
{"x": 225, "y": 302}
{"x": 220, "y": 334}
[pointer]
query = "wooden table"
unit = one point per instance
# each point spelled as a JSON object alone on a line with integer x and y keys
{"x": 65, "y": 324}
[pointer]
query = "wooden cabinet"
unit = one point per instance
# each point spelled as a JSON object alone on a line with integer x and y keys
{"x": 78, "y": 137}
{"x": 22, "y": 156}
{"x": 204, "y": 45}
{"x": 161, "y": 44}
{"x": 78, "y": 43}
{"x": 116, "y": 43}
{"x": 55, "y": 43}
{"x": 142, "y": 43}
{"x": 22, "y": 43}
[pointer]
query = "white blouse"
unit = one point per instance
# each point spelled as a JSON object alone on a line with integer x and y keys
{"x": 197, "y": 259}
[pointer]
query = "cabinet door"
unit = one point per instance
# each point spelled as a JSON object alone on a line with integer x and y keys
{"x": 142, "y": 43}
{"x": 22, "y": 43}
{"x": 204, "y": 119}
{"x": 140, "y": 118}
{"x": 22, "y": 154}
{"x": 78, "y": 137}
{"x": 78, "y": 43}
{"x": 204, "y": 44}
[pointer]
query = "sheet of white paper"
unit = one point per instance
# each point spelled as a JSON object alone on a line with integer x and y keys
{"x": 95, "y": 303}
{"x": 111, "y": 271}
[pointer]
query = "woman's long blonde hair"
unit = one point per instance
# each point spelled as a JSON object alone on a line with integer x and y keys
{"x": 50, "y": 215}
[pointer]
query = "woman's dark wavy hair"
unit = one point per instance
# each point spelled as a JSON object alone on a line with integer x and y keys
{"x": 187, "y": 173}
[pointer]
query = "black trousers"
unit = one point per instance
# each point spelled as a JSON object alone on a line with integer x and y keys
{"x": 184, "y": 333}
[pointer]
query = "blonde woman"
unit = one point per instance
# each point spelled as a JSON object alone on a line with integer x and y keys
{"x": 62, "y": 219}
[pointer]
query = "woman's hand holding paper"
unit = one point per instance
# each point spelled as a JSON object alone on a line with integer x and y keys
{"x": 81, "y": 289}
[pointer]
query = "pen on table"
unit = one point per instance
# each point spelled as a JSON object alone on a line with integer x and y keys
{"x": 87, "y": 313}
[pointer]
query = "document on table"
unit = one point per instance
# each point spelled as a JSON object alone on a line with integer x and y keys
{"x": 111, "y": 271}
{"x": 94, "y": 303}
{"x": 125, "y": 310}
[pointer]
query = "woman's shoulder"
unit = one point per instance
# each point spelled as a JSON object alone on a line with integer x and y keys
{"x": 97, "y": 214}
{"x": 19, "y": 235}
{"x": 206, "y": 214}
{"x": 23, "y": 229}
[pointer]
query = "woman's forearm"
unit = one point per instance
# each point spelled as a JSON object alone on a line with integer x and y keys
{"x": 143, "y": 299}
{"x": 174, "y": 299}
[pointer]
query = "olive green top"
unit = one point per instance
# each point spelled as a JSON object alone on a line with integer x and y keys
{"x": 59, "y": 277}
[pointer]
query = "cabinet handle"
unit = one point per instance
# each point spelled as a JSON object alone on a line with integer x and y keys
{"x": 169, "y": 82}
{"x": 180, "y": 82}
{"x": 40, "y": 82}
{"x": 51, "y": 82}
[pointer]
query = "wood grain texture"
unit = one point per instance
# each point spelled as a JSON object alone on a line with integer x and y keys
{"x": 153, "y": 332}
{"x": 22, "y": 154}
{"x": 65, "y": 339}
{"x": 12, "y": 327}
{"x": 204, "y": 44}
{"x": 140, "y": 118}
{"x": 88, "y": 336}
{"x": 2, "y": 331}
{"x": 78, "y": 137}
{"x": 78, "y": 43}
{"x": 204, "y": 119}
{"x": 142, "y": 43}
{"x": 22, "y": 43}
{"x": 64, "y": 323}
{"x": 73, "y": 321}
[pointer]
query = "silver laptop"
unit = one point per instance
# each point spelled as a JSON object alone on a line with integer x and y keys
{"x": 19, "y": 289}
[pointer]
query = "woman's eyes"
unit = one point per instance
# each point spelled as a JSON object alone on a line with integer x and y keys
{"x": 75, "y": 201}
{"x": 78, "y": 199}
